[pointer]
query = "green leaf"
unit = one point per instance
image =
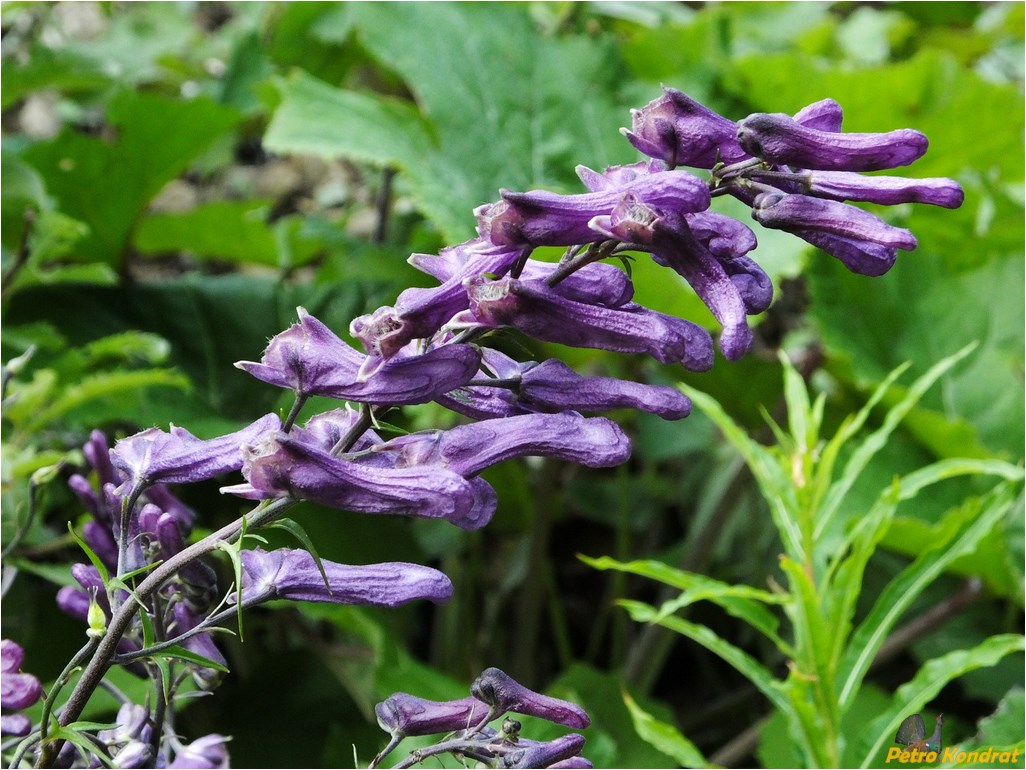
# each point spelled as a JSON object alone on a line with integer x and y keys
{"x": 181, "y": 653}
{"x": 131, "y": 170}
{"x": 231, "y": 231}
{"x": 293, "y": 528}
{"x": 961, "y": 530}
{"x": 754, "y": 671}
{"x": 667, "y": 738}
{"x": 233, "y": 550}
{"x": 91, "y": 554}
{"x": 913, "y": 696}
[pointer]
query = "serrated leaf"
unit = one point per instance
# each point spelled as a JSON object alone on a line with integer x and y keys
{"x": 665, "y": 737}
{"x": 914, "y": 695}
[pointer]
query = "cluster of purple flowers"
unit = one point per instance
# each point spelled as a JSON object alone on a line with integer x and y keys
{"x": 493, "y": 694}
{"x": 796, "y": 173}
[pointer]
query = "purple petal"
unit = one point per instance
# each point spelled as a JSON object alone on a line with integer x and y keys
{"x": 860, "y": 257}
{"x": 19, "y": 691}
{"x": 778, "y": 138}
{"x": 153, "y": 456}
{"x": 886, "y": 190}
{"x": 17, "y": 725}
{"x": 791, "y": 213}
{"x": 500, "y": 691}
{"x": 206, "y": 753}
{"x": 824, "y": 115}
{"x": 541, "y": 218}
{"x": 99, "y": 538}
{"x": 572, "y": 762}
{"x": 285, "y": 465}
{"x": 404, "y": 714}
{"x": 615, "y": 176}
{"x": 293, "y": 574}
{"x": 469, "y": 449}
{"x": 676, "y": 246}
{"x": 11, "y": 656}
{"x": 544, "y": 754}
{"x": 540, "y": 312}
{"x": 680, "y": 131}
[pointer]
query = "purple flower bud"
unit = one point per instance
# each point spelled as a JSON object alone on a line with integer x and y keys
{"x": 293, "y": 574}
{"x": 680, "y": 131}
{"x": 824, "y": 115}
{"x": 793, "y": 213}
{"x": 17, "y": 725}
{"x": 572, "y": 762}
{"x": 469, "y": 449}
{"x": 541, "y": 218}
{"x": 545, "y": 754}
{"x": 675, "y": 246}
{"x": 133, "y": 754}
{"x": 97, "y": 453}
{"x": 201, "y": 644}
{"x": 153, "y": 456}
{"x": 311, "y": 360}
{"x": 540, "y": 312}
{"x": 886, "y": 190}
{"x": 87, "y": 496}
{"x": 598, "y": 283}
{"x": 860, "y": 257}
{"x": 17, "y": 691}
{"x": 778, "y": 138}
{"x": 402, "y": 714}
{"x": 206, "y": 753}
{"x": 160, "y": 496}
{"x": 294, "y": 465}
{"x": 502, "y": 693}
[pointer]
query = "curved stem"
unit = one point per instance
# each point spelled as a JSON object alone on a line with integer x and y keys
{"x": 104, "y": 654}
{"x": 297, "y": 406}
{"x": 77, "y": 660}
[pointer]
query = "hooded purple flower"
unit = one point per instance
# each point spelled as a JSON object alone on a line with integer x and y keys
{"x": 153, "y": 456}
{"x": 503, "y": 693}
{"x": 295, "y": 465}
{"x": 862, "y": 257}
{"x": 778, "y": 138}
{"x": 419, "y": 313}
{"x": 17, "y": 691}
{"x": 678, "y": 130}
{"x": 468, "y": 449}
{"x": 545, "y": 754}
{"x": 541, "y": 312}
{"x": 552, "y": 386}
{"x": 675, "y": 246}
{"x": 540, "y": 218}
{"x": 402, "y": 714}
{"x": 311, "y": 360}
{"x": 794, "y": 213}
{"x": 293, "y": 574}
{"x": 885, "y": 190}
{"x": 824, "y": 115}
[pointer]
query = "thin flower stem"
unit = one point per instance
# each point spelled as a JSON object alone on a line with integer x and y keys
{"x": 65, "y": 676}
{"x": 297, "y": 406}
{"x": 353, "y": 434}
{"x": 464, "y": 746}
{"x": 104, "y": 655}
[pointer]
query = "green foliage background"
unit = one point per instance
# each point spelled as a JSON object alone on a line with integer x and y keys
{"x": 177, "y": 178}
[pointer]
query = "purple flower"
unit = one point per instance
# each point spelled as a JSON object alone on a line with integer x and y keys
{"x": 503, "y": 693}
{"x": 153, "y": 456}
{"x": 311, "y": 360}
{"x": 419, "y": 313}
{"x": 17, "y": 691}
{"x": 293, "y": 574}
{"x": 541, "y": 312}
{"x": 886, "y": 190}
{"x": 402, "y": 714}
{"x": 294, "y": 465}
{"x": 469, "y": 449}
{"x": 129, "y": 741}
{"x": 552, "y": 386}
{"x": 202, "y": 644}
{"x": 860, "y": 257}
{"x": 545, "y": 754}
{"x": 824, "y": 115}
{"x": 675, "y": 246}
{"x": 573, "y": 762}
{"x": 541, "y": 218}
{"x": 780, "y": 139}
{"x": 678, "y": 130}
{"x": 206, "y": 753}
{"x": 795, "y": 213}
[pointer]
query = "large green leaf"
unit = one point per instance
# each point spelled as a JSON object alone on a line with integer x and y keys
{"x": 664, "y": 737}
{"x": 107, "y": 184}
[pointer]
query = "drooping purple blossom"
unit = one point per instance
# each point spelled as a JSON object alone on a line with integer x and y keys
{"x": 402, "y": 714}
{"x": 541, "y": 218}
{"x": 778, "y": 138}
{"x": 540, "y": 312}
{"x": 310, "y": 359}
{"x": 545, "y": 754}
{"x": 884, "y": 190}
{"x": 503, "y": 694}
{"x": 207, "y": 753}
{"x": 178, "y": 457}
{"x": 468, "y": 449}
{"x": 293, "y": 574}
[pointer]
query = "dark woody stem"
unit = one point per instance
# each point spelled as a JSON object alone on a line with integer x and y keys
{"x": 105, "y": 653}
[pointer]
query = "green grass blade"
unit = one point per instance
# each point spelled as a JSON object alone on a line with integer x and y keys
{"x": 665, "y": 737}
